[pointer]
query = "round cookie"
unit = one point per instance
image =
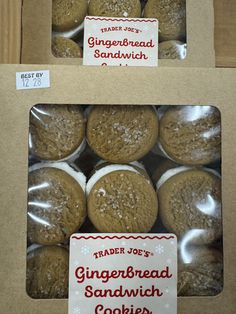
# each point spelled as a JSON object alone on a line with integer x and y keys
{"x": 67, "y": 14}
{"x": 172, "y": 49}
{"x": 111, "y": 8}
{"x": 47, "y": 272}
{"x": 171, "y": 15}
{"x": 190, "y": 204}
{"x": 121, "y": 199}
{"x": 200, "y": 272}
{"x": 65, "y": 48}
{"x": 191, "y": 135}
{"x": 121, "y": 134}
{"x": 56, "y": 203}
{"x": 56, "y": 131}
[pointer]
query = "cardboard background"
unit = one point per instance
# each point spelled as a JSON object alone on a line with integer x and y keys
{"x": 37, "y": 29}
{"x": 95, "y": 85}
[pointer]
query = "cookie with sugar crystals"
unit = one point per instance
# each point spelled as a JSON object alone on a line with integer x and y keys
{"x": 65, "y": 48}
{"x": 121, "y": 199}
{"x": 111, "y": 8}
{"x": 56, "y": 203}
{"x": 190, "y": 135}
{"x": 57, "y": 132}
{"x": 47, "y": 272}
{"x": 121, "y": 134}
{"x": 190, "y": 204}
{"x": 172, "y": 49}
{"x": 171, "y": 15}
{"x": 200, "y": 272}
{"x": 67, "y": 14}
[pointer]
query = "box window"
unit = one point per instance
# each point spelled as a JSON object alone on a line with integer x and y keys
{"x": 124, "y": 169}
{"x": 68, "y": 17}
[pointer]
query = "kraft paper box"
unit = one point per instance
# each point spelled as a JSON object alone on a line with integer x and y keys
{"x": 95, "y": 85}
{"x": 37, "y": 34}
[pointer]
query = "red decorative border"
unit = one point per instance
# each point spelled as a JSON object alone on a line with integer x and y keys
{"x": 122, "y": 237}
{"x": 120, "y": 19}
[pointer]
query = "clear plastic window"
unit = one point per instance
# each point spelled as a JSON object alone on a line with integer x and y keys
{"x": 68, "y": 17}
{"x": 124, "y": 169}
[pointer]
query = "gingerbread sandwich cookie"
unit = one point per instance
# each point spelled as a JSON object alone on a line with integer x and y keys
{"x": 65, "y": 48}
{"x": 190, "y": 204}
{"x": 56, "y": 202}
{"x": 57, "y": 132}
{"x": 47, "y": 272}
{"x": 200, "y": 272}
{"x": 190, "y": 135}
{"x": 122, "y": 134}
{"x": 111, "y": 8}
{"x": 171, "y": 15}
{"x": 121, "y": 199}
{"x": 68, "y": 14}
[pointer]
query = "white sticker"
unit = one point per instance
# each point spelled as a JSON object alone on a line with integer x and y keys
{"x": 123, "y": 273}
{"x": 120, "y": 41}
{"x": 33, "y": 79}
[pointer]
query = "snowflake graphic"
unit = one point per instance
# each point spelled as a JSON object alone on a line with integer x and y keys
{"x": 77, "y": 292}
{"x": 85, "y": 250}
{"x": 167, "y": 306}
{"x": 76, "y": 310}
{"x": 172, "y": 242}
{"x": 102, "y": 246}
{"x": 123, "y": 243}
{"x": 169, "y": 261}
{"x": 144, "y": 244}
{"x": 159, "y": 249}
{"x": 167, "y": 290}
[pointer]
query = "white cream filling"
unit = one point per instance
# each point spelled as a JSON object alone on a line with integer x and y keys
{"x": 172, "y": 172}
{"x": 33, "y": 247}
{"x": 77, "y": 175}
{"x": 71, "y": 33}
{"x": 104, "y": 171}
{"x": 133, "y": 163}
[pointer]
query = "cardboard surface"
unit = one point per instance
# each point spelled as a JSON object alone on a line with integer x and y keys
{"x": 10, "y": 31}
{"x": 92, "y": 85}
{"x": 37, "y": 28}
{"x": 225, "y": 32}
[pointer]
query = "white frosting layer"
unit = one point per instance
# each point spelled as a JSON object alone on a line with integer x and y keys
{"x": 71, "y": 33}
{"x": 104, "y": 171}
{"x": 172, "y": 172}
{"x": 77, "y": 175}
{"x": 133, "y": 163}
{"x": 33, "y": 247}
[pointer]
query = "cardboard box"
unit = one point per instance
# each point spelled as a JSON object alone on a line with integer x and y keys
{"x": 37, "y": 32}
{"x": 93, "y": 85}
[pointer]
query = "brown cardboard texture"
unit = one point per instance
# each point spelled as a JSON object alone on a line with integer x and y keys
{"x": 37, "y": 32}
{"x": 95, "y": 85}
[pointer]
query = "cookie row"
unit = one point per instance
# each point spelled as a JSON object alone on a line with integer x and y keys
{"x": 200, "y": 272}
{"x": 68, "y": 16}
{"x": 120, "y": 199}
{"x": 188, "y": 135}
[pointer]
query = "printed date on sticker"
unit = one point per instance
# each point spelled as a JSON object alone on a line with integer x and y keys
{"x": 33, "y": 79}
{"x": 120, "y": 41}
{"x": 123, "y": 274}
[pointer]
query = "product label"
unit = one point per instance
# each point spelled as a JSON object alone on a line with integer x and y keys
{"x": 123, "y": 274}
{"x": 120, "y": 41}
{"x": 33, "y": 79}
